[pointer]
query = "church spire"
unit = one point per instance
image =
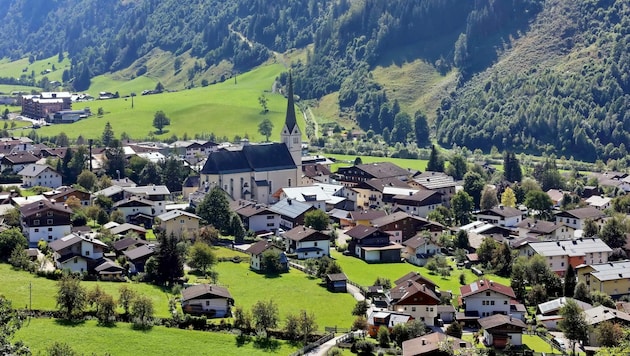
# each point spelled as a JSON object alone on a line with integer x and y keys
{"x": 290, "y": 122}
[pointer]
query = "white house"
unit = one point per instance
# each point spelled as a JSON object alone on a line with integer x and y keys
{"x": 500, "y": 330}
{"x": 40, "y": 175}
{"x": 501, "y": 215}
{"x": 485, "y": 298}
{"x": 211, "y": 301}
{"x": 44, "y": 220}
{"x": 258, "y": 218}
{"x": 415, "y": 299}
{"x": 599, "y": 202}
{"x": 77, "y": 252}
{"x": 563, "y": 253}
{"x": 576, "y": 217}
{"x": 419, "y": 249}
{"x": 306, "y": 242}
{"x": 256, "y": 251}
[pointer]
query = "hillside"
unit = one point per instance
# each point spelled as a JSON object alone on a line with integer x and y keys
{"x": 535, "y": 76}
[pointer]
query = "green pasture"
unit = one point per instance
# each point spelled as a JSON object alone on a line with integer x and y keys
{"x": 225, "y": 108}
{"x": 347, "y": 161}
{"x": 88, "y": 338}
{"x": 22, "y": 66}
{"x": 15, "y": 285}
{"x": 8, "y": 89}
{"x": 292, "y": 292}
{"x": 365, "y": 273}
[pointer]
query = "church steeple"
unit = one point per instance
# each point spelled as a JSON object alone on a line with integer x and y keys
{"x": 291, "y": 135}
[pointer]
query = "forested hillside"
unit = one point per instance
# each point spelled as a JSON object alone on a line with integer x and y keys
{"x": 538, "y": 76}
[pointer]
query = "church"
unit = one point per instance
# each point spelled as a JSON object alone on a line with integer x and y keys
{"x": 256, "y": 171}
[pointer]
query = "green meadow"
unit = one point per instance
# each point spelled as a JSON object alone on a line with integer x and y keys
{"x": 223, "y": 109}
{"x": 88, "y": 338}
{"x": 347, "y": 161}
{"x": 22, "y": 66}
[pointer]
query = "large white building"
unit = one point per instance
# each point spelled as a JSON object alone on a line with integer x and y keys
{"x": 563, "y": 253}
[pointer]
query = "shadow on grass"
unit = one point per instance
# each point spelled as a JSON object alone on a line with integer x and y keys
{"x": 273, "y": 276}
{"x": 266, "y": 344}
{"x": 242, "y": 340}
{"x": 70, "y": 323}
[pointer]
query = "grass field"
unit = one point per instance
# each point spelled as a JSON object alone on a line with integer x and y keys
{"x": 347, "y": 161}
{"x": 22, "y": 66}
{"x": 87, "y": 338}
{"x": 15, "y": 286}
{"x": 292, "y": 292}
{"x": 225, "y": 109}
{"x": 365, "y": 274}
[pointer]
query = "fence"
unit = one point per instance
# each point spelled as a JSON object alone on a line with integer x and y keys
{"x": 313, "y": 345}
{"x": 335, "y": 329}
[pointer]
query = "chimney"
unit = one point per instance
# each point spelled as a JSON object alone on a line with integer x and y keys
{"x": 409, "y": 283}
{"x": 424, "y": 341}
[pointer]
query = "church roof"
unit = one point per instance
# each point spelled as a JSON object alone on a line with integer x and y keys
{"x": 290, "y": 121}
{"x": 259, "y": 158}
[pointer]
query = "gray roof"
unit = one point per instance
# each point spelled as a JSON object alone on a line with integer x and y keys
{"x": 33, "y": 170}
{"x": 72, "y": 239}
{"x": 148, "y": 190}
{"x": 119, "y": 229}
{"x": 556, "y": 304}
{"x": 205, "y": 291}
{"x": 611, "y": 271}
{"x": 290, "y": 208}
{"x": 433, "y": 180}
{"x": 109, "y": 191}
{"x": 571, "y": 248}
{"x": 251, "y": 158}
{"x": 175, "y": 214}
{"x": 601, "y": 313}
{"x": 497, "y": 320}
{"x": 139, "y": 252}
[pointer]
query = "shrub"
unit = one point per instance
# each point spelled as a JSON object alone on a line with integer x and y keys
{"x": 364, "y": 347}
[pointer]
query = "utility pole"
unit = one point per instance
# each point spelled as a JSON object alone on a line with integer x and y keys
{"x": 90, "y": 141}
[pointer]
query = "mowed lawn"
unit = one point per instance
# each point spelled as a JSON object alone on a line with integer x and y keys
{"x": 15, "y": 285}
{"x": 291, "y": 291}
{"x": 88, "y": 338}
{"x": 347, "y": 161}
{"x": 223, "y": 109}
{"x": 365, "y": 273}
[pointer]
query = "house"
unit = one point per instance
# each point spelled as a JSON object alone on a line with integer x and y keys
{"x": 258, "y": 218}
{"x": 575, "y": 218}
{"x": 126, "y": 228}
{"x": 198, "y": 150}
{"x": 16, "y": 162}
{"x": 190, "y": 185}
{"x": 115, "y": 193}
{"x": 43, "y": 220}
{"x": 336, "y": 282}
{"x": 292, "y": 213}
{"x": 544, "y": 230}
{"x": 556, "y": 196}
{"x": 599, "y": 202}
{"x": 612, "y": 278}
{"x": 39, "y": 106}
{"x": 156, "y": 193}
{"x": 420, "y": 204}
{"x": 312, "y": 195}
{"x": 415, "y": 299}
{"x": 314, "y": 173}
{"x": 127, "y": 243}
{"x": 109, "y": 270}
{"x": 365, "y": 217}
{"x": 209, "y": 300}
{"x": 563, "y": 253}
{"x": 596, "y": 315}
{"x": 505, "y": 216}
{"x": 41, "y": 175}
{"x": 77, "y": 252}
{"x": 306, "y": 242}
{"x": 437, "y": 182}
{"x": 369, "y": 194}
{"x": 257, "y": 171}
{"x": 138, "y": 257}
{"x": 501, "y": 330}
{"x": 446, "y": 314}
{"x": 549, "y": 312}
{"x": 372, "y": 245}
{"x": 419, "y": 249}
{"x": 179, "y": 222}
{"x": 484, "y": 298}
{"x": 61, "y": 195}
{"x": 433, "y": 344}
{"x": 350, "y": 176}
{"x": 256, "y": 251}
{"x": 140, "y": 211}
{"x": 388, "y": 319}
{"x": 403, "y": 226}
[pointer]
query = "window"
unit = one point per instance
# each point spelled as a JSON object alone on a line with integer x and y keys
{"x": 207, "y": 302}
{"x": 87, "y": 253}
{"x": 315, "y": 243}
{"x": 36, "y": 230}
{"x": 487, "y": 294}
{"x": 181, "y": 221}
{"x": 492, "y": 302}
{"x": 76, "y": 260}
{"x": 413, "y": 309}
{"x": 49, "y": 221}
{"x": 50, "y": 213}
{"x": 269, "y": 217}
{"x": 35, "y": 222}
{"x": 505, "y": 302}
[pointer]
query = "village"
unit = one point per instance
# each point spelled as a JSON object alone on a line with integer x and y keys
{"x": 517, "y": 254}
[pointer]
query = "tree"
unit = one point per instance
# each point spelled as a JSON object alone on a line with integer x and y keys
{"x": 462, "y": 205}
{"x": 108, "y": 135}
{"x": 511, "y": 167}
{"x": 436, "y": 163}
{"x": 10, "y": 322}
{"x": 265, "y": 128}
{"x": 77, "y": 163}
{"x": 173, "y": 174}
{"x": 10, "y": 240}
{"x": 383, "y": 336}
{"x": 160, "y": 120}
{"x": 473, "y": 185}
{"x": 488, "y": 198}
{"x": 236, "y": 228}
{"x": 265, "y": 315}
{"x": 151, "y": 173}
{"x": 242, "y": 319}
{"x": 262, "y": 100}
{"x": 539, "y": 201}
{"x": 291, "y": 325}
{"x": 421, "y": 128}
{"x": 169, "y": 259}
{"x": 106, "y": 309}
{"x": 60, "y": 349}
{"x": 316, "y": 219}
{"x": 306, "y": 325}
{"x": 508, "y": 198}
{"x": 609, "y": 334}
{"x": 569, "y": 281}
{"x": 402, "y": 127}
{"x": 62, "y": 140}
{"x": 19, "y": 259}
{"x": 573, "y": 324}
{"x": 215, "y": 209}
{"x": 457, "y": 167}
{"x": 142, "y": 312}
{"x": 87, "y": 180}
{"x": 455, "y": 330}
{"x": 487, "y": 249}
{"x": 537, "y": 295}
{"x": 357, "y": 161}
{"x": 159, "y": 87}
{"x": 360, "y": 308}
{"x": 71, "y": 296}
{"x": 201, "y": 257}
{"x": 582, "y": 293}
{"x": 441, "y": 214}
{"x": 518, "y": 278}
{"x": 590, "y": 228}
{"x": 126, "y": 297}
{"x": 399, "y": 334}
{"x": 613, "y": 233}
{"x": 461, "y": 239}
{"x": 270, "y": 262}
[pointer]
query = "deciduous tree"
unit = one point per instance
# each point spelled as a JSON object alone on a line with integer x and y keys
{"x": 265, "y": 315}
{"x": 265, "y": 128}
{"x": 160, "y": 120}
{"x": 71, "y": 296}
{"x": 201, "y": 257}
{"x": 573, "y": 324}
{"x": 316, "y": 219}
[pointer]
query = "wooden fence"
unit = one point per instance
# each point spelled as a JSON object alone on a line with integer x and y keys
{"x": 313, "y": 345}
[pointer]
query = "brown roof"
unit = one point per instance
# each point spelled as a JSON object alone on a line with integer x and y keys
{"x": 205, "y": 291}
{"x": 485, "y": 285}
{"x": 388, "y": 219}
{"x": 420, "y": 196}
{"x": 315, "y": 170}
{"x": 416, "y": 241}
{"x": 582, "y": 213}
{"x": 139, "y": 252}
{"x": 416, "y": 277}
{"x": 259, "y": 247}
{"x": 426, "y": 344}
{"x": 42, "y": 205}
{"x": 379, "y": 184}
{"x": 539, "y": 226}
{"x": 253, "y": 209}
{"x": 503, "y": 211}
{"x": 361, "y": 231}
{"x": 303, "y": 233}
{"x": 126, "y": 242}
{"x": 22, "y": 157}
{"x": 497, "y": 320}
{"x": 408, "y": 289}
{"x": 366, "y": 214}
{"x": 336, "y": 277}
{"x": 383, "y": 169}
